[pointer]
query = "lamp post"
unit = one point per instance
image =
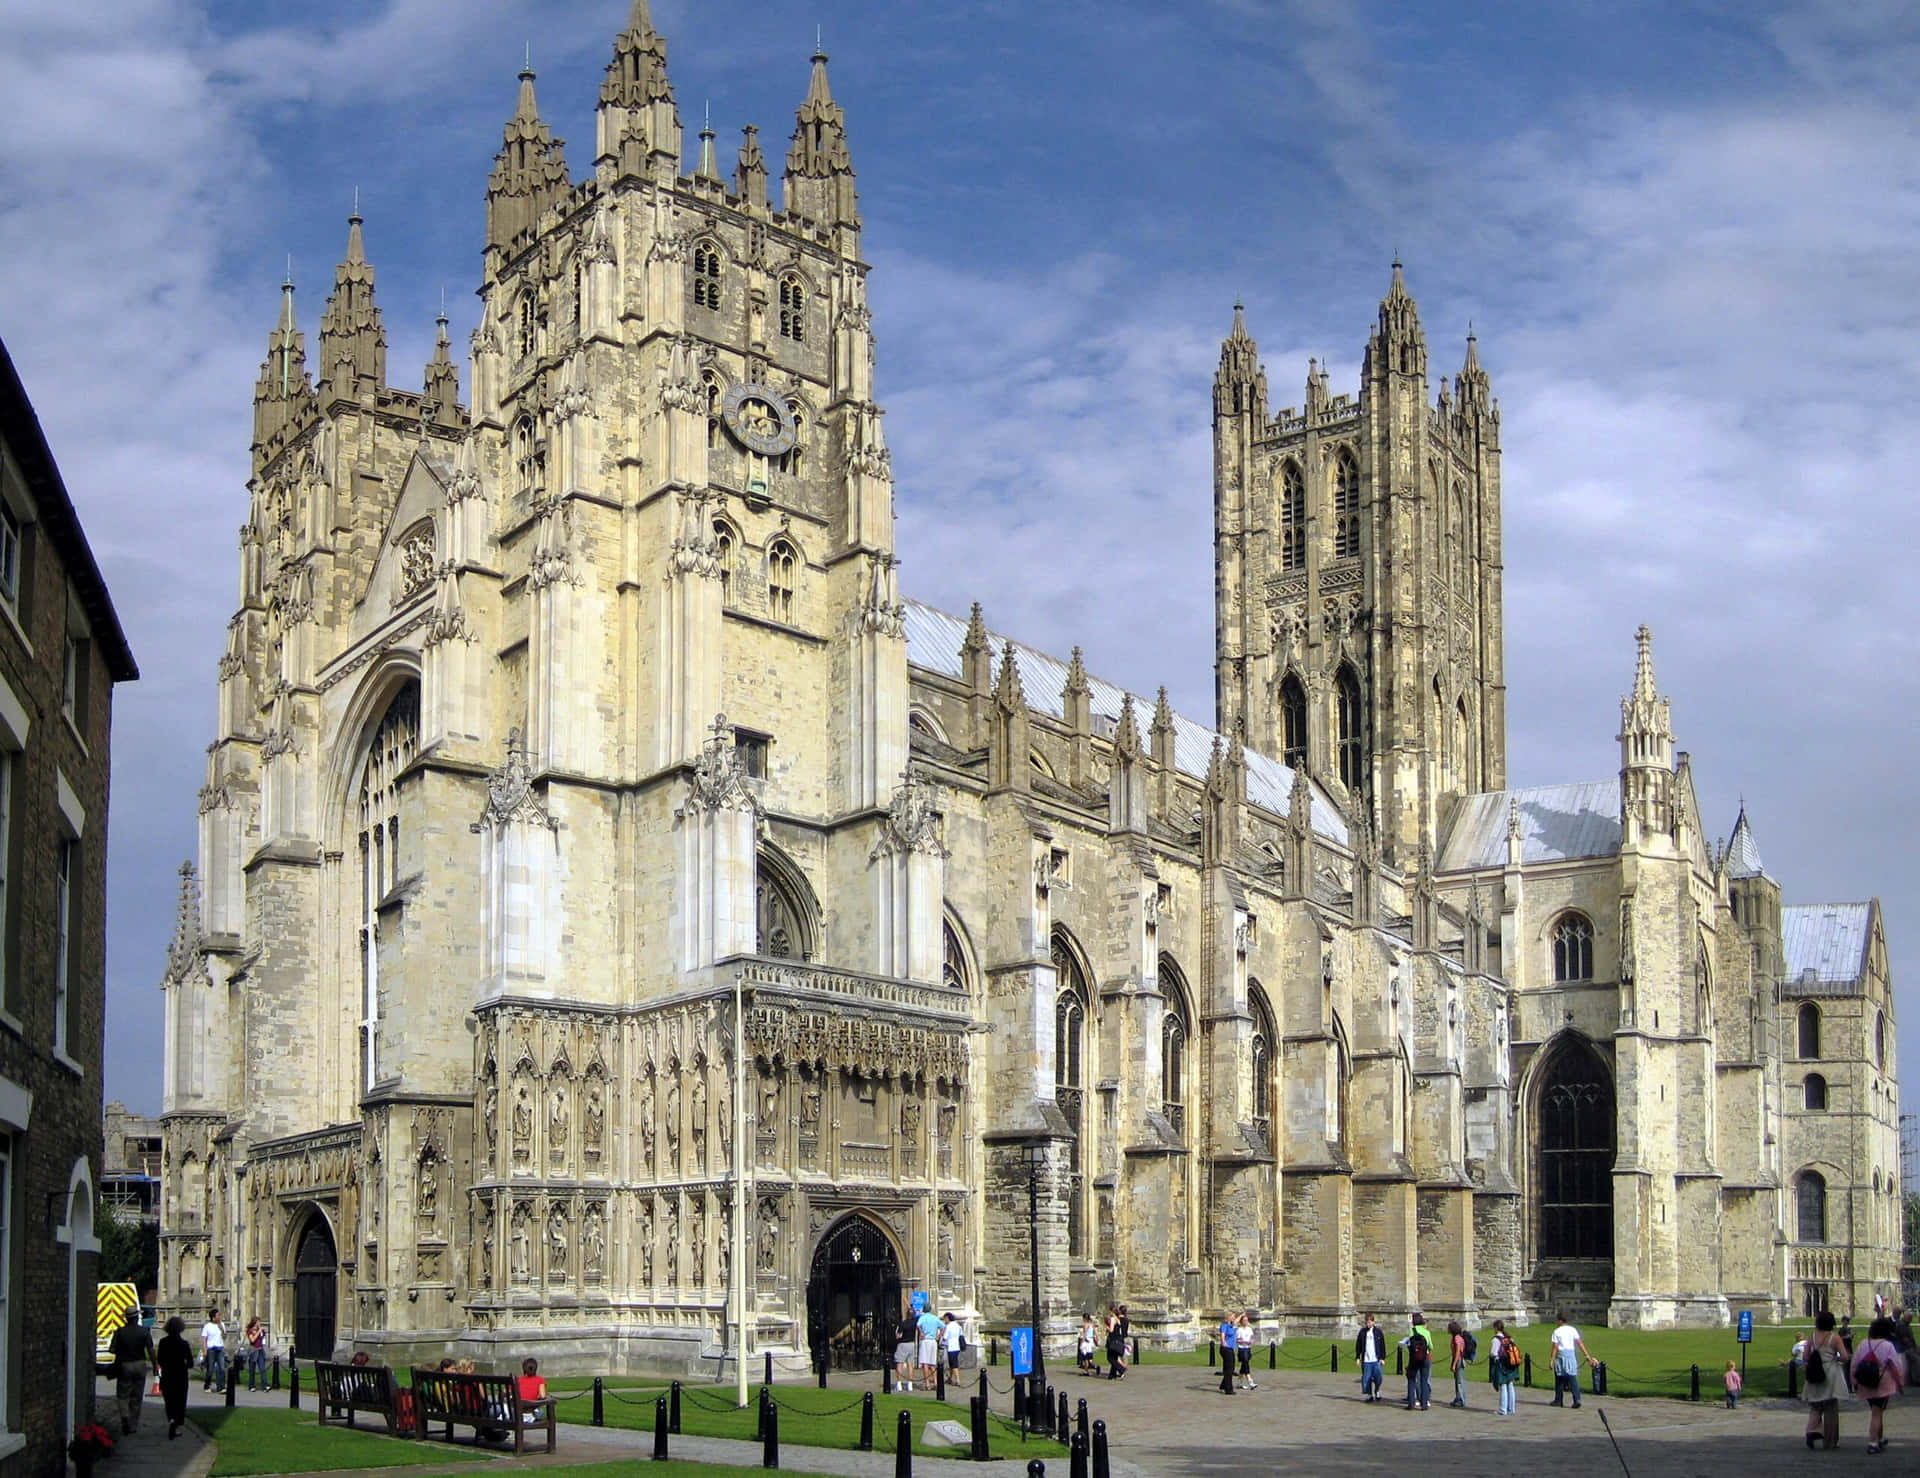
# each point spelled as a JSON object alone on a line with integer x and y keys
{"x": 1036, "y": 1153}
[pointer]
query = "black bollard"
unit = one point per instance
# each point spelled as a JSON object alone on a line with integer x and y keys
{"x": 1080, "y": 1417}
{"x": 886, "y": 1380}
{"x": 1136, "y": 1350}
{"x": 1694, "y": 1393}
{"x": 1048, "y": 1411}
{"x": 1333, "y": 1360}
{"x": 1036, "y": 1469}
{"x": 770, "y": 1447}
{"x": 233, "y": 1381}
{"x": 822, "y": 1373}
{"x": 940, "y": 1375}
{"x": 993, "y": 1351}
{"x": 760, "y": 1416}
{"x": 768, "y": 1377}
{"x": 660, "y": 1429}
{"x": 1398, "y": 1356}
{"x": 1065, "y": 1423}
{"x": 1600, "y": 1378}
{"x": 276, "y": 1373}
{"x": 986, "y": 1391}
{"x": 866, "y": 1422}
{"x": 1102, "y": 1466}
{"x": 978, "y": 1409}
{"x": 673, "y": 1409}
{"x": 1793, "y": 1382}
{"x": 1210, "y": 1353}
{"x": 1526, "y": 1370}
{"x": 599, "y": 1404}
{"x": 903, "y": 1447}
{"x": 1273, "y": 1356}
{"x": 293, "y": 1389}
{"x": 1020, "y": 1398}
{"x": 1077, "y": 1457}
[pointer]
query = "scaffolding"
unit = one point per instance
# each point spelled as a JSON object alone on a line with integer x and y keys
{"x": 1910, "y": 1210}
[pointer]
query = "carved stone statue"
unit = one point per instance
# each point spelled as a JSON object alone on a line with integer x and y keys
{"x": 593, "y": 1245}
{"x": 810, "y": 1106}
{"x": 699, "y": 1122}
{"x": 483, "y": 1270}
{"x": 673, "y": 1244}
{"x": 697, "y": 1242}
{"x": 946, "y": 1239}
{"x": 643, "y": 1111}
{"x": 769, "y": 1236}
{"x": 910, "y": 1122}
{"x": 522, "y": 1245}
{"x": 643, "y": 1239}
{"x": 427, "y": 1201}
{"x": 522, "y": 1124}
{"x": 593, "y": 1119}
{"x": 490, "y": 1116}
{"x": 559, "y": 1120}
{"x": 557, "y": 1245}
{"x": 673, "y": 1124}
{"x": 723, "y": 1254}
{"x": 723, "y": 1115}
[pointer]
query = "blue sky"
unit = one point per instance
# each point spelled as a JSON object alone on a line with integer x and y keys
{"x": 1681, "y": 232}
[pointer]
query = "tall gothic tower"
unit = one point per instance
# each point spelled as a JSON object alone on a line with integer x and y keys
{"x": 1357, "y": 588}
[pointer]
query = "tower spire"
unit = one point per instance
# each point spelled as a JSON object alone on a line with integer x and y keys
{"x": 283, "y": 373}
{"x": 1398, "y": 345}
{"x": 353, "y": 336}
{"x": 1240, "y": 384}
{"x": 638, "y": 127}
{"x": 1473, "y": 387}
{"x": 442, "y": 393}
{"x": 750, "y": 172}
{"x": 1646, "y": 750}
{"x": 529, "y": 172}
{"x": 819, "y": 180}
{"x": 709, "y": 169}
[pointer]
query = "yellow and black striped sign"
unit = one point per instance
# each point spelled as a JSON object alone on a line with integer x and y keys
{"x": 114, "y": 1299}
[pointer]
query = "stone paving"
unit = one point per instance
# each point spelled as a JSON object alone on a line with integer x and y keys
{"x": 1172, "y": 1422}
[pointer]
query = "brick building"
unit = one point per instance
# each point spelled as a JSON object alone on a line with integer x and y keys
{"x": 61, "y": 652}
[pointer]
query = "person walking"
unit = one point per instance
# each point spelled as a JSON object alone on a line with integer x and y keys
{"x": 1084, "y": 1347}
{"x": 1419, "y": 1347}
{"x": 928, "y": 1326}
{"x": 1457, "y": 1362}
{"x": 1878, "y": 1374}
{"x": 953, "y": 1339}
{"x": 253, "y": 1349}
{"x": 132, "y": 1350}
{"x": 1246, "y": 1351}
{"x": 1229, "y": 1343}
{"x": 1826, "y": 1359}
{"x": 1733, "y": 1381}
{"x": 174, "y": 1356}
{"x": 906, "y": 1335}
{"x": 1370, "y": 1354}
{"x": 1118, "y": 1327}
{"x": 213, "y": 1349}
{"x": 1568, "y": 1351}
{"x": 1506, "y": 1368}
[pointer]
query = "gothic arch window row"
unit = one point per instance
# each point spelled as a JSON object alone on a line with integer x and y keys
{"x": 1293, "y": 517}
{"x": 783, "y": 579}
{"x": 1346, "y": 506}
{"x": 785, "y": 912}
{"x": 793, "y": 309}
{"x": 529, "y": 457}
{"x": 1262, "y": 1046}
{"x": 1575, "y": 1154}
{"x": 1350, "y": 729}
{"x": 726, "y": 539}
{"x": 1293, "y": 722}
{"x": 707, "y": 274}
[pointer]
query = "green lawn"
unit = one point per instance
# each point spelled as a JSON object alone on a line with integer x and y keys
{"x": 1640, "y": 1362}
{"x": 259, "y": 1439}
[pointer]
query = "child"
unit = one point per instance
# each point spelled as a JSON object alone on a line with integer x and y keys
{"x": 1733, "y": 1386}
{"x": 532, "y": 1387}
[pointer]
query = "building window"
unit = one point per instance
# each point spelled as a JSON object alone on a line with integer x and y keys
{"x": 1573, "y": 948}
{"x": 1809, "y": 1031}
{"x": 782, "y": 567}
{"x": 789, "y": 460}
{"x": 751, "y": 750}
{"x": 1262, "y": 1063}
{"x": 1576, "y": 1155}
{"x": 66, "y": 878}
{"x": 395, "y": 743}
{"x": 526, "y": 456}
{"x": 793, "y": 310}
{"x": 9, "y": 556}
{"x": 1293, "y": 722}
{"x": 1810, "y": 1197}
{"x": 706, "y": 275}
{"x": 1175, "y": 1030}
{"x": 1070, "y": 1080}
{"x": 1346, "y": 506}
{"x": 1350, "y": 727}
{"x": 954, "y": 974}
{"x": 527, "y": 326}
{"x": 1462, "y": 563}
{"x": 1816, "y": 1093}
{"x": 712, "y": 383}
{"x": 1880, "y": 1040}
{"x": 1293, "y": 518}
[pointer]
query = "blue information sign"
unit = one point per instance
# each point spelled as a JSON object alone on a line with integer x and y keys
{"x": 1746, "y": 1326}
{"x": 1022, "y": 1344}
{"x": 922, "y": 1301}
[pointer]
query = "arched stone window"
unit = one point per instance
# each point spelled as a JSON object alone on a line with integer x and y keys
{"x": 1810, "y": 1203}
{"x": 1176, "y": 1030}
{"x": 789, "y": 460}
{"x": 1816, "y": 1093}
{"x": 526, "y": 335}
{"x": 1293, "y": 722}
{"x": 1072, "y": 1003}
{"x": 955, "y": 971}
{"x": 1809, "y": 1023}
{"x": 1342, "y": 1076}
{"x": 1880, "y": 1040}
{"x": 1463, "y": 745}
{"x": 1346, "y": 506}
{"x": 710, "y": 383}
{"x": 706, "y": 275}
{"x": 1350, "y": 728}
{"x": 783, "y": 910}
{"x": 793, "y": 309}
{"x": 1462, "y": 539}
{"x": 1576, "y": 1154}
{"x": 1264, "y": 1037}
{"x": 783, "y": 564}
{"x": 526, "y": 456}
{"x": 395, "y": 743}
{"x": 1293, "y": 518}
{"x": 725, "y": 541}
{"x": 1573, "y": 947}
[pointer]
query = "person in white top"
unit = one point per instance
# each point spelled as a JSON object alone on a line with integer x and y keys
{"x": 213, "y": 1345}
{"x": 953, "y": 1339}
{"x": 1568, "y": 1352}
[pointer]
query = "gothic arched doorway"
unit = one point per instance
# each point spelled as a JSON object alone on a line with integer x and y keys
{"x": 316, "y": 1267}
{"x": 853, "y": 1295}
{"x": 1575, "y": 1155}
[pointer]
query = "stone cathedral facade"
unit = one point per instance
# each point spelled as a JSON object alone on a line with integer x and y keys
{"x": 571, "y": 735}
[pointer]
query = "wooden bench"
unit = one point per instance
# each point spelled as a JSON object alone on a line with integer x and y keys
{"x": 353, "y": 1388}
{"x": 490, "y": 1404}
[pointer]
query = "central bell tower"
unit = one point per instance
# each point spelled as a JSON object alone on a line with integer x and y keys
{"x": 1357, "y": 578}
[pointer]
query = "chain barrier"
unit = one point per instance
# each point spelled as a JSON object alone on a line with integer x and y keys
{"x": 853, "y": 1405}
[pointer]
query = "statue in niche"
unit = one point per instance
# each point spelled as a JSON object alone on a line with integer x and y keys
{"x": 697, "y": 1224}
{"x": 699, "y": 1122}
{"x": 427, "y": 1202}
{"x": 644, "y": 1113}
{"x": 373, "y": 1196}
{"x": 483, "y": 1272}
{"x": 522, "y": 1125}
{"x": 723, "y": 1254}
{"x": 490, "y": 1115}
{"x": 673, "y": 1123}
{"x": 593, "y": 1245}
{"x": 946, "y": 1239}
{"x": 557, "y": 1245}
{"x": 910, "y": 1121}
{"x": 643, "y": 1239}
{"x": 769, "y": 1236}
{"x": 593, "y": 1119}
{"x": 522, "y": 1245}
{"x": 673, "y": 1244}
{"x": 558, "y": 1122}
{"x": 723, "y": 1110}
{"x": 769, "y": 1102}
{"x": 810, "y": 1105}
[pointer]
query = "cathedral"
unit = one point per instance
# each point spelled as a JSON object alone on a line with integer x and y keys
{"x": 627, "y": 926}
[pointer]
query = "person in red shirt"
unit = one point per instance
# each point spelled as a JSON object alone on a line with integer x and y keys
{"x": 532, "y": 1386}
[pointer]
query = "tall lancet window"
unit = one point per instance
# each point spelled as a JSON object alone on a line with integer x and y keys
{"x": 793, "y": 310}
{"x": 396, "y": 740}
{"x": 1070, "y": 1079}
{"x": 706, "y": 275}
{"x": 1346, "y": 506}
{"x": 1350, "y": 730}
{"x": 1293, "y": 518}
{"x": 1293, "y": 722}
{"x": 1176, "y": 1030}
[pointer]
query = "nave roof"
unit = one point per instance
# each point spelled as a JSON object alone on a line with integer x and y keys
{"x": 1558, "y": 823}
{"x": 1829, "y": 939}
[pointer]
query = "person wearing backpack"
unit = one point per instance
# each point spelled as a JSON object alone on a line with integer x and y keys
{"x": 1504, "y": 1355}
{"x": 1457, "y": 1361}
{"x": 1878, "y": 1374}
{"x": 1419, "y": 1347}
{"x": 1825, "y": 1359}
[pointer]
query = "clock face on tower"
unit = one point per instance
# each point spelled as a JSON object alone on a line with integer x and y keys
{"x": 757, "y": 418}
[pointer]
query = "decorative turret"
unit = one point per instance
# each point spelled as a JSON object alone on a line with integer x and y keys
{"x": 638, "y": 124}
{"x": 529, "y": 172}
{"x": 1240, "y": 385}
{"x": 750, "y": 172}
{"x": 1474, "y": 390}
{"x": 283, "y": 373}
{"x": 1646, "y": 751}
{"x": 1742, "y": 858}
{"x": 819, "y": 180}
{"x": 1398, "y": 346}
{"x": 1753, "y": 895}
{"x": 709, "y": 165}
{"x": 353, "y": 339}
{"x": 441, "y": 396}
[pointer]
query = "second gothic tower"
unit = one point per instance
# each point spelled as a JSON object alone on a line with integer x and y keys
{"x": 1357, "y": 578}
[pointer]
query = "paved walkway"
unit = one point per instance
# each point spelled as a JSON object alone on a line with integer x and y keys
{"x": 1172, "y": 1422}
